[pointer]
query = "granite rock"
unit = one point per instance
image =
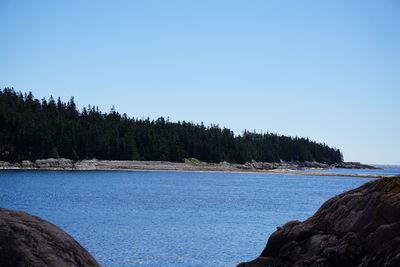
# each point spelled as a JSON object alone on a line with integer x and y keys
{"x": 60, "y": 163}
{"x": 360, "y": 227}
{"x": 27, "y": 164}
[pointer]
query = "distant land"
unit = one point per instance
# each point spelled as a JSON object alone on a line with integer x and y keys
{"x": 190, "y": 165}
{"x": 32, "y": 129}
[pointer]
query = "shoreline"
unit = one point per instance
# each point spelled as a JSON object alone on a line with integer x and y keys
{"x": 190, "y": 165}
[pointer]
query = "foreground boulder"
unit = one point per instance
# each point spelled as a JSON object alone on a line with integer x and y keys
{"x": 26, "y": 240}
{"x": 360, "y": 227}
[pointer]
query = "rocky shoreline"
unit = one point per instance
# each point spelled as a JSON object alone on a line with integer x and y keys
{"x": 360, "y": 227}
{"x": 188, "y": 165}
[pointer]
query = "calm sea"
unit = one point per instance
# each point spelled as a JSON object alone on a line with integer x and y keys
{"x": 170, "y": 218}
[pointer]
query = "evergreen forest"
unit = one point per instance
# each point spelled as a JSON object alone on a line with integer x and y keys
{"x": 36, "y": 129}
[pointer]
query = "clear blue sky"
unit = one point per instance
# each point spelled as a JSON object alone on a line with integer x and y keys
{"x": 327, "y": 70}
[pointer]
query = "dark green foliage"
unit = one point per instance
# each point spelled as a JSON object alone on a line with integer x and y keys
{"x": 33, "y": 129}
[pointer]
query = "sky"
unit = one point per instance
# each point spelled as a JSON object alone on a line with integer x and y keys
{"x": 327, "y": 70}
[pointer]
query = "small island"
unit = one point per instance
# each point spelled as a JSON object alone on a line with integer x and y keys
{"x": 34, "y": 129}
{"x": 50, "y": 134}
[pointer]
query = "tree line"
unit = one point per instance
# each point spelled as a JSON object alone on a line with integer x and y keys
{"x": 33, "y": 129}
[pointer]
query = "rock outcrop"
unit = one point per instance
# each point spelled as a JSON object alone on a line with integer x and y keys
{"x": 8, "y": 165}
{"x": 360, "y": 227}
{"x": 26, "y": 240}
{"x": 27, "y": 164}
{"x": 353, "y": 165}
{"x": 300, "y": 165}
{"x": 286, "y": 165}
{"x": 5, "y": 164}
{"x": 60, "y": 163}
{"x": 189, "y": 164}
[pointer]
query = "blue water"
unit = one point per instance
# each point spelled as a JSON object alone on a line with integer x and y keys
{"x": 169, "y": 218}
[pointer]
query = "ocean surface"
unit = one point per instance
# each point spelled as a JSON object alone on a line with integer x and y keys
{"x": 138, "y": 218}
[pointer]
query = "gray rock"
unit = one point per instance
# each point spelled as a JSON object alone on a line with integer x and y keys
{"x": 353, "y": 165}
{"x": 360, "y": 227}
{"x": 26, "y": 240}
{"x": 292, "y": 165}
{"x": 27, "y": 164}
{"x": 8, "y": 165}
{"x": 317, "y": 165}
{"x": 86, "y": 164}
{"x": 192, "y": 161}
{"x": 65, "y": 163}
{"x": 60, "y": 163}
{"x": 225, "y": 163}
{"x": 5, "y": 164}
{"x": 42, "y": 163}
